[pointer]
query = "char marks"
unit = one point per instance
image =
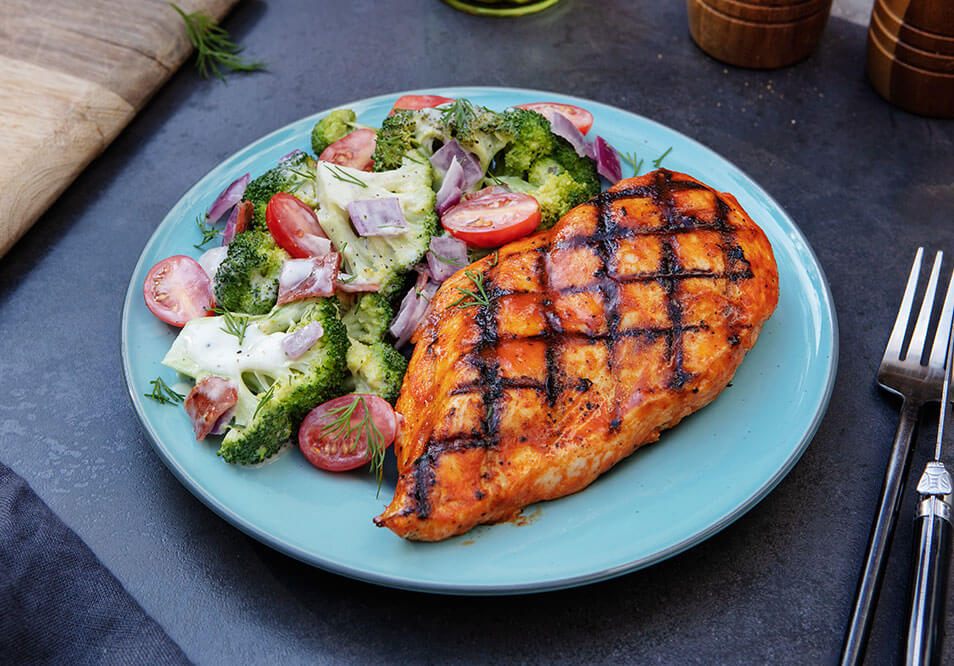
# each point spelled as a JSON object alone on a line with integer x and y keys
{"x": 654, "y": 215}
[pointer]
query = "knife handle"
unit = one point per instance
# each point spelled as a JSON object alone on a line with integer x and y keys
{"x": 929, "y": 588}
{"x": 876, "y": 558}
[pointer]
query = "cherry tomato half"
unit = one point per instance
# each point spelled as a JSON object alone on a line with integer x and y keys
{"x": 330, "y": 444}
{"x": 412, "y": 102}
{"x": 177, "y": 289}
{"x": 581, "y": 118}
{"x": 492, "y": 219}
{"x": 294, "y": 226}
{"x": 354, "y": 150}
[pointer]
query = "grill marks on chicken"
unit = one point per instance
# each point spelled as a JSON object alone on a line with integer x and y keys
{"x": 632, "y": 312}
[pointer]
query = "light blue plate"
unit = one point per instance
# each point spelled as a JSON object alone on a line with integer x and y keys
{"x": 669, "y": 496}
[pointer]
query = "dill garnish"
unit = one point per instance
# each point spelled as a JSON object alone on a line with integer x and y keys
{"x": 343, "y": 176}
{"x": 162, "y": 394}
{"x": 478, "y": 297}
{"x": 630, "y": 158}
{"x": 213, "y": 48}
{"x": 234, "y": 325}
{"x": 658, "y": 160}
{"x": 447, "y": 260}
{"x": 208, "y": 231}
{"x": 341, "y": 428}
{"x": 265, "y": 398}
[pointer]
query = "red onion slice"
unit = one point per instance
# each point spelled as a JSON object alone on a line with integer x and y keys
{"x": 444, "y": 158}
{"x": 413, "y": 309}
{"x": 607, "y": 160}
{"x": 212, "y": 259}
{"x": 451, "y": 189}
{"x": 238, "y": 221}
{"x": 310, "y": 277}
{"x": 297, "y": 343}
{"x": 447, "y": 256}
{"x": 562, "y": 126}
{"x": 230, "y": 196}
{"x": 229, "y": 232}
{"x": 377, "y": 217}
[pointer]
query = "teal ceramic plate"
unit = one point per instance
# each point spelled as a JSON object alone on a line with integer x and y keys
{"x": 698, "y": 478}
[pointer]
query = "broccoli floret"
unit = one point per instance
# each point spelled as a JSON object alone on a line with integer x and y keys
{"x": 295, "y": 175}
{"x": 517, "y": 147}
{"x": 247, "y": 279}
{"x": 275, "y": 392}
{"x": 545, "y": 166}
{"x": 420, "y": 132}
{"x": 532, "y": 140}
{"x": 368, "y": 318}
{"x": 376, "y": 368}
{"x": 382, "y": 260}
{"x": 555, "y": 188}
{"x": 336, "y": 125}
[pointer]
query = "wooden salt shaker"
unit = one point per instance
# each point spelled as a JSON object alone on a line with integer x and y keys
{"x": 761, "y": 34}
{"x": 911, "y": 55}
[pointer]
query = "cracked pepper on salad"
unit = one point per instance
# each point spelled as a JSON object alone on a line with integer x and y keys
{"x": 291, "y": 329}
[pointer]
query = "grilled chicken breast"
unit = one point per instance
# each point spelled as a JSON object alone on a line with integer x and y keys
{"x": 584, "y": 343}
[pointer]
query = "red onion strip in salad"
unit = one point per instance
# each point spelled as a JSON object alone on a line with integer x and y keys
{"x": 447, "y": 256}
{"x": 230, "y": 196}
{"x": 377, "y": 217}
{"x": 297, "y": 343}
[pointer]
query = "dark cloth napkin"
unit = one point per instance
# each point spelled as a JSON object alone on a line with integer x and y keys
{"x": 58, "y": 603}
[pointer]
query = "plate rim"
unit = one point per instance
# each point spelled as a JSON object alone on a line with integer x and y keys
{"x": 471, "y": 589}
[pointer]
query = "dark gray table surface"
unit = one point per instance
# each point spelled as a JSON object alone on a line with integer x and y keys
{"x": 867, "y": 184}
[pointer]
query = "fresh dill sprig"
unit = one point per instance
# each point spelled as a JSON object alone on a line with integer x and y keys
{"x": 265, "y": 398}
{"x": 447, "y": 260}
{"x": 343, "y": 176}
{"x": 234, "y": 324}
{"x": 630, "y": 159}
{"x": 658, "y": 160}
{"x": 213, "y": 47}
{"x": 496, "y": 258}
{"x": 162, "y": 394}
{"x": 341, "y": 428}
{"x": 209, "y": 232}
{"x": 478, "y": 297}
{"x": 300, "y": 174}
{"x": 458, "y": 113}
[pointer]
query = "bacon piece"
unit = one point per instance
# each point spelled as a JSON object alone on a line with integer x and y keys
{"x": 308, "y": 278}
{"x": 210, "y": 399}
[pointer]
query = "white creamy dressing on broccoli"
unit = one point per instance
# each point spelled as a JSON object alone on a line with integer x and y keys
{"x": 219, "y": 352}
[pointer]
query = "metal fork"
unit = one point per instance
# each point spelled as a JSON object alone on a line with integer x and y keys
{"x": 917, "y": 385}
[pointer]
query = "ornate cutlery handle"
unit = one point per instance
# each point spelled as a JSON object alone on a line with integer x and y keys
{"x": 930, "y": 581}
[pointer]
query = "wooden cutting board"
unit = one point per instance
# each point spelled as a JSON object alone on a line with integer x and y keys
{"x": 72, "y": 74}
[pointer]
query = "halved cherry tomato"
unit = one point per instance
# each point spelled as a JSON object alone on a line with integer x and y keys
{"x": 334, "y": 435}
{"x": 294, "y": 226}
{"x": 412, "y": 102}
{"x": 581, "y": 118}
{"x": 177, "y": 289}
{"x": 354, "y": 150}
{"x": 492, "y": 219}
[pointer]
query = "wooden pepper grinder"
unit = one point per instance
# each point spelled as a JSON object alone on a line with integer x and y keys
{"x": 911, "y": 54}
{"x": 762, "y": 34}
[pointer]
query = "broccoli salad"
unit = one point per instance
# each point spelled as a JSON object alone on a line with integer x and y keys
{"x": 292, "y": 328}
